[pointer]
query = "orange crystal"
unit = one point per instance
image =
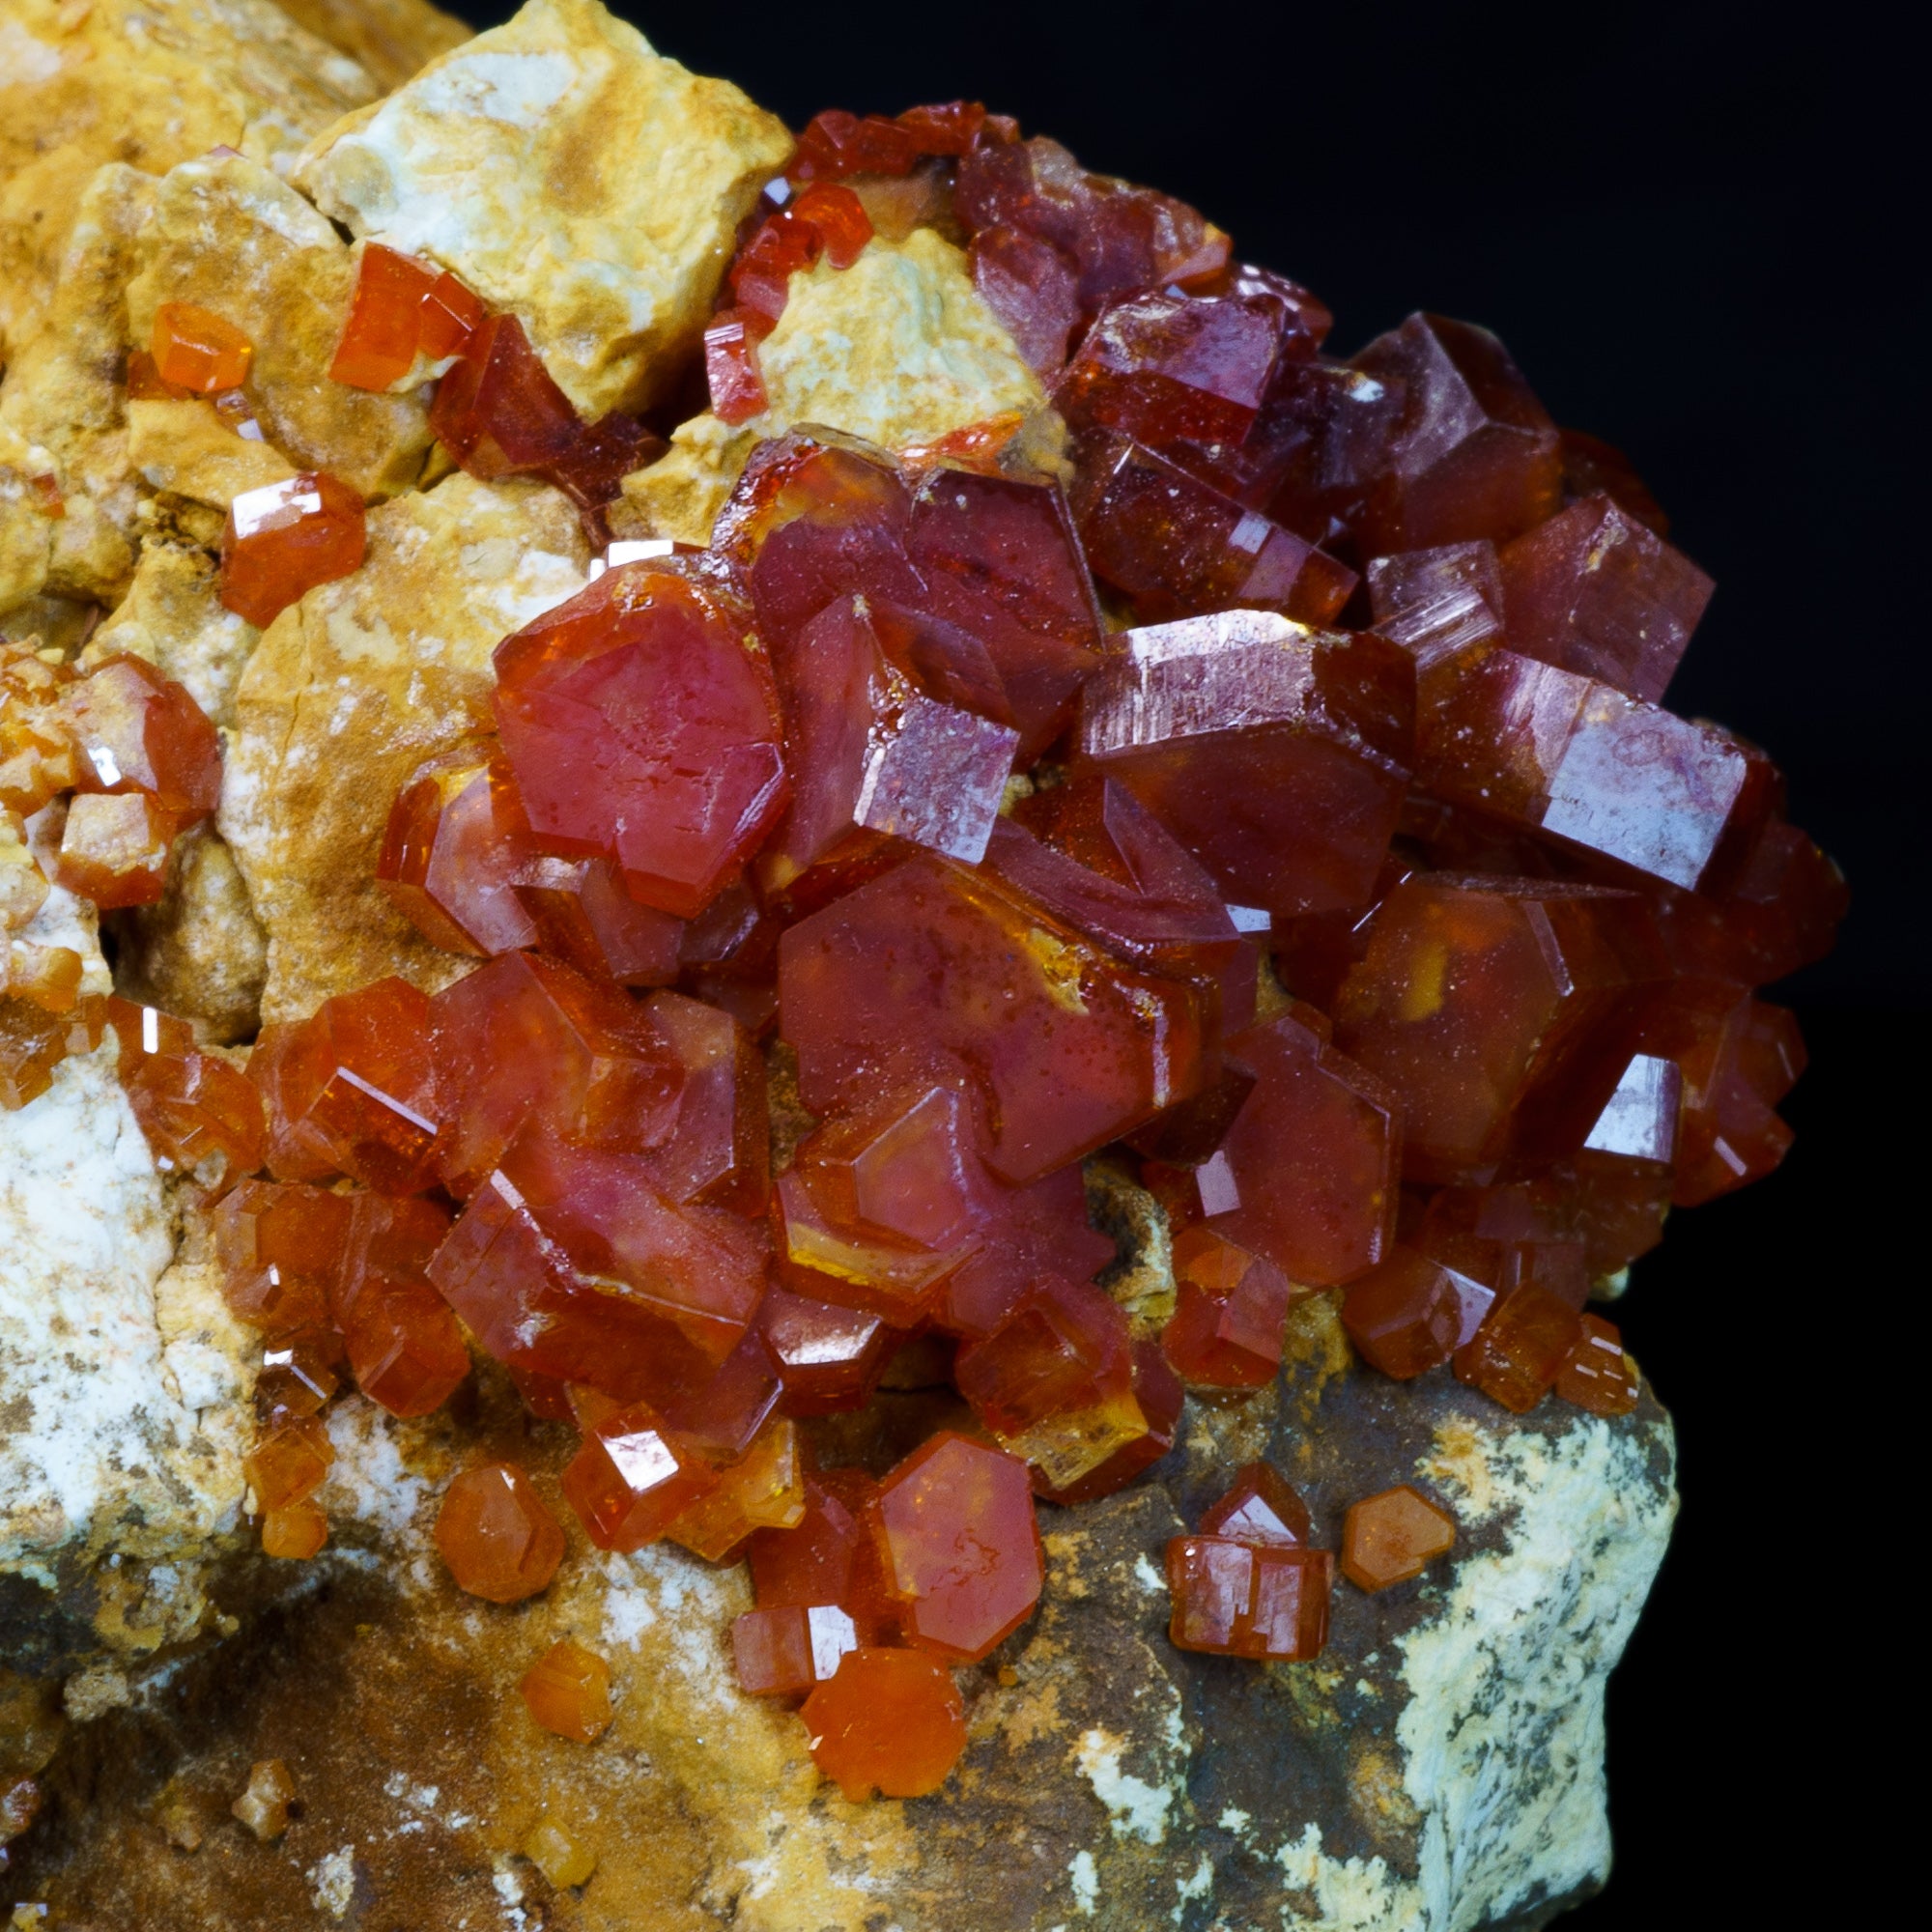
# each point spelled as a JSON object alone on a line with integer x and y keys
{"x": 351, "y": 1089}
{"x": 281, "y": 1248}
{"x": 114, "y": 849}
{"x": 289, "y": 1464}
{"x": 400, "y": 309}
{"x": 633, "y": 1479}
{"x": 1413, "y": 1312}
{"x": 1520, "y": 1348}
{"x": 195, "y": 349}
{"x": 782, "y": 1651}
{"x": 1597, "y": 1375}
{"x": 1260, "y": 1509}
{"x": 962, "y": 1553}
{"x": 1240, "y": 1599}
{"x": 1391, "y": 1537}
{"x": 1226, "y": 1330}
{"x": 297, "y": 1530}
{"x": 1054, "y": 1381}
{"x": 829, "y": 1556}
{"x": 889, "y": 1720}
{"x": 405, "y": 1346}
{"x": 495, "y": 1533}
{"x": 764, "y": 1489}
{"x": 568, "y": 1691}
{"x": 283, "y": 539}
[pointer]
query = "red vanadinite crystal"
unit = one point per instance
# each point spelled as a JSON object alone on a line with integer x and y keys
{"x": 831, "y": 895}
{"x": 641, "y": 722}
{"x": 351, "y": 1091}
{"x": 961, "y": 1549}
{"x": 1275, "y": 754}
{"x": 633, "y": 1478}
{"x": 888, "y": 1721}
{"x": 909, "y": 967}
{"x": 283, "y": 539}
{"x": 401, "y": 310}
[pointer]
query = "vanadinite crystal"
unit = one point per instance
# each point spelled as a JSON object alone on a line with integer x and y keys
{"x": 886, "y": 1720}
{"x": 1253, "y": 810}
{"x": 496, "y": 1536}
{"x": 1390, "y": 1538}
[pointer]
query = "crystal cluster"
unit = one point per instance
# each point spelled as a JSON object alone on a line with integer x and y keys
{"x": 1275, "y": 801}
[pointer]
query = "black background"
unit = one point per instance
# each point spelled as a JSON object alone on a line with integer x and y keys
{"x": 1697, "y": 230}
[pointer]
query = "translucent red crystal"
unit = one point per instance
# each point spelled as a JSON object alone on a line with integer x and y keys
{"x": 905, "y": 968}
{"x": 401, "y": 309}
{"x": 1226, "y": 1330}
{"x": 1597, "y": 1373}
{"x": 1473, "y": 453}
{"x": 888, "y": 1721}
{"x": 642, "y": 724}
{"x": 1234, "y": 1598}
{"x": 283, "y": 539}
{"x": 1054, "y": 1381}
{"x": 633, "y": 1478}
{"x": 138, "y": 731}
{"x": 450, "y": 855}
{"x": 1273, "y": 753}
{"x": 785, "y": 1650}
{"x": 351, "y": 1089}
{"x": 961, "y": 1549}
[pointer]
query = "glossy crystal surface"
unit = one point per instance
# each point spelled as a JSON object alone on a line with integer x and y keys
{"x": 1391, "y": 1537}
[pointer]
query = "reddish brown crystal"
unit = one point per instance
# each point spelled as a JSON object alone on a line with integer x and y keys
{"x": 1272, "y": 752}
{"x": 782, "y": 1651}
{"x": 888, "y": 1721}
{"x": 641, "y": 722}
{"x": 1054, "y": 1381}
{"x": 351, "y": 1091}
{"x": 1235, "y": 1599}
{"x": 138, "y": 731}
{"x": 281, "y": 1248}
{"x": 1259, "y": 1510}
{"x": 500, "y": 1540}
{"x": 451, "y": 854}
{"x": 632, "y": 1478}
{"x": 1474, "y": 455}
{"x": 283, "y": 539}
{"x": 1596, "y": 1374}
{"x": 1598, "y": 592}
{"x": 404, "y": 1345}
{"x": 763, "y": 1488}
{"x": 829, "y": 1556}
{"x": 1472, "y": 990}
{"x": 1226, "y": 1331}
{"x": 114, "y": 849}
{"x": 914, "y": 965}
{"x": 961, "y": 1547}
{"x": 1521, "y": 1348}
{"x": 1161, "y": 1399}
{"x": 1412, "y": 1311}
{"x": 1391, "y": 1537}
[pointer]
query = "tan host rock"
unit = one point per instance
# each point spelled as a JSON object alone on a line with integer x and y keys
{"x": 570, "y": 175}
{"x": 353, "y": 688}
{"x": 900, "y": 348}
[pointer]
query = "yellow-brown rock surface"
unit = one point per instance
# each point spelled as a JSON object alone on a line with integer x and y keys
{"x": 353, "y": 688}
{"x": 569, "y": 174}
{"x": 148, "y": 83}
{"x": 900, "y": 347}
{"x": 233, "y": 237}
{"x": 390, "y": 38}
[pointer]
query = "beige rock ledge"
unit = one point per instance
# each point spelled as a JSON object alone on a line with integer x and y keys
{"x": 570, "y": 175}
{"x": 348, "y": 693}
{"x": 148, "y": 83}
{"x": 1439, "y": 1770}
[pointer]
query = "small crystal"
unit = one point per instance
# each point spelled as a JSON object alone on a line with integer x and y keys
{"x": 1391, "y": 1537}
{"x": 500, "y": 1540}
{"x": 568, "y": 1690}
{"x": 888, "y": 1721}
